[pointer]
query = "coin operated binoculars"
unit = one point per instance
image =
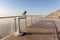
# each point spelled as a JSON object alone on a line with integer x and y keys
{"x": 19, "y": 33}
{"x": 24, "y": 14}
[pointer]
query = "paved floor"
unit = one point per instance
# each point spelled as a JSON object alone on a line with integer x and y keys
{"x": 43, "y": 30}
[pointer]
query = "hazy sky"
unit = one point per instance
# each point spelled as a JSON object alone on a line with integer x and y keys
{"x": 39, "y": 7}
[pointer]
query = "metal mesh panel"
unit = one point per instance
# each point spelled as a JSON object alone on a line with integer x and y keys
{"x": 7, "y": 26}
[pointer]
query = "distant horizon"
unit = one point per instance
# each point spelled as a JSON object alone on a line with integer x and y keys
{"x": 33, "y": 7}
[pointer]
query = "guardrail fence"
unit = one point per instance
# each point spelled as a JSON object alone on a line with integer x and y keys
{"x": 18, "y": 24}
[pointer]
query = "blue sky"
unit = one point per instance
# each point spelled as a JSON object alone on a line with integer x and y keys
{"x": 33, "y": 7}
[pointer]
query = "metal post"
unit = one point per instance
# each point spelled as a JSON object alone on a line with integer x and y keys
{"x": 15, "y": 24}
{"x": 31, "y": 19}
{"x": 35, "y": 19}
{"x": 26, "y": 22}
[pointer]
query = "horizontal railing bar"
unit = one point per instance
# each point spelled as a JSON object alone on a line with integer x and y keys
{"x": 17, "y": 16}
{"x": 34, "y": 15}
{"x": 12, "y": 17}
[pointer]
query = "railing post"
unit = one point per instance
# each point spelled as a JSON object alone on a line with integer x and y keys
{"x": 31, "y": 19}
{"x": 15, "y": 24}
{"x": 26, "y": 22}
{"x": 35, "y": 19}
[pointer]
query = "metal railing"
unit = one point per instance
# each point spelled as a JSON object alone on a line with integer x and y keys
{"x": 17, "y": 22}
{"x": 20, "y": 22}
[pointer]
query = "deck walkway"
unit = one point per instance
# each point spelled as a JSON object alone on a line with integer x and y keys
{"x": 43, "y": 30}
